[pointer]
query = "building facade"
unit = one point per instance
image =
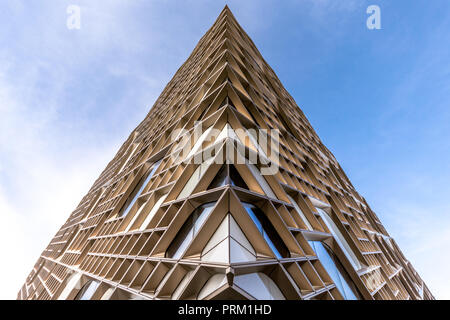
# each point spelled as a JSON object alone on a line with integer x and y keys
{"x": 223, "y": 191}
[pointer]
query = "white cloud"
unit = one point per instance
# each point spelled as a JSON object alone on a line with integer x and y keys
{"x": 40, "y": 185}
{"x": 51, "y": 150}
{"x": 422, "y": 231}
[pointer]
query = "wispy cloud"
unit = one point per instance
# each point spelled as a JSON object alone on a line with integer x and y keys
{"x": 413, "y": 131}
{"x": 60, "y": 105}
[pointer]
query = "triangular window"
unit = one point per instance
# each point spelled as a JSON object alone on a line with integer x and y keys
{"x": 188, "y": 231}
{"x": 268, "y": 231}
{"x": 335, "y": 270}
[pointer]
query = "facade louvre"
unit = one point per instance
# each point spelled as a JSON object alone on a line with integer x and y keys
{"x": 155, "y": 227}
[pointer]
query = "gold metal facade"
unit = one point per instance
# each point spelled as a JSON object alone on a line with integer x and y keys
{"x": 155, "y": 227}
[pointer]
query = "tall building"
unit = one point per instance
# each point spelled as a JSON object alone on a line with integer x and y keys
{"x": 224, "y": 191}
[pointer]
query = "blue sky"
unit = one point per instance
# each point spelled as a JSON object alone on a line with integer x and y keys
{"x": 379, "y": 100}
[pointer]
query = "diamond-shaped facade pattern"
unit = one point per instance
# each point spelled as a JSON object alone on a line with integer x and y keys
{"x": 158, "y": 226}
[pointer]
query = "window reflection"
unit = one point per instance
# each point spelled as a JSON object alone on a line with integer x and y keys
{"x": 267, "y": 230}
{"x": 335, "y": 270}
{"x": 188, "y": 231}
{"x": 137, "y": 191}
{"x": 87, "y": 291}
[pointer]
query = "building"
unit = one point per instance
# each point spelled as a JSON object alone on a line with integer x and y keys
{"x": 224, "y": 191}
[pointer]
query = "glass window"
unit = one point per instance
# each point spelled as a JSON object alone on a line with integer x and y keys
{"x": 137, "y": 191}
{"x": 343, "y": 244}
{"x": 268, "y": 232}
{"x": 335, "y": 270}
{"x": 152, "y": 212}
{"x": 132, "y": 146}
{"x": 87, "y": 291}
{"x": 188, "y": 231}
